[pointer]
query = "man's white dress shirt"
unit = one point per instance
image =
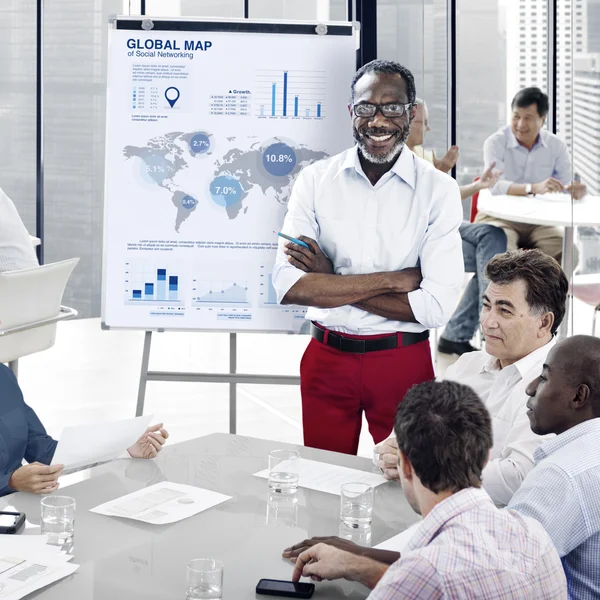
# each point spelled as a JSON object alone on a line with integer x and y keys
{"x": 409, "y": 218}
{"x": 16, "y": 249}
{"x": 503, "y": 392}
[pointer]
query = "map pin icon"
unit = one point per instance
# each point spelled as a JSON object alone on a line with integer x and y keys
{"x": 172, "y": 95}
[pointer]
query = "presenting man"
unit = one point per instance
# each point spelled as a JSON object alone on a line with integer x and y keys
{"x": 533, "y": 161}
{"x": 479, "y": 243}
{"x": 384, "y": 264}
{"x": 523, "y": 307}
{"x": 465, "y": 547}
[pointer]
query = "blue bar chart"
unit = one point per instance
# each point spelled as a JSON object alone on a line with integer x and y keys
{"x": 147, "y": 284}
{"x": 290, "y": 94}
{"x": 209, "y": 293}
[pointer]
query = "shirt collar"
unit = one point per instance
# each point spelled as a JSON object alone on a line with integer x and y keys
{"x": 514, "y": 143}
{"x": 565, "y": 438}
{"x": 445, "y": 511}
{"x": 404, "y": 166}
{"x": 523, "y": 365}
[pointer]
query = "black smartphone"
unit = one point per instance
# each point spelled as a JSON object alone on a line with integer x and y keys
{"x": 287, "y": 589}
{"x": 10, "y": 522}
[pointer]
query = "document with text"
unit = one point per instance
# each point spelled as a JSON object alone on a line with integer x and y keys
{"x": 327, "y": 478}
{"x": 87, "y": 445}
{"x": 399, "y": 542}
{"x": 162, "y": 503}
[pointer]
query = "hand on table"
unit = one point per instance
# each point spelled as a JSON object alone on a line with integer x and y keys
{"x": 548, "y": 186}
{"x": 333, "y": 540}
{"x": 577, "y": 190}
{"x": 388, "y": 458}
{"x": 36, "y": 478}
{"x": 323, "y": 562}
{"x": 151, "y": 442}
{"x": 447, "y": 161}
{"x": 309, "y": 260}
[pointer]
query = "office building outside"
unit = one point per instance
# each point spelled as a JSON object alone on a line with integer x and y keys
{"x": 527, "y": 52}
{"x": 586, "y": 121}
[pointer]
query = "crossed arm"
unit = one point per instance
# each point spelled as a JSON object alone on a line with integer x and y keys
{"x": 384, "y": 294}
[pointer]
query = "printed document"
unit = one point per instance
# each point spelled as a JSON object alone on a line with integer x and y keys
{"x": 399, "y": 542}
{"x": 162, "y": 503}
{"x": 327, "y": 478}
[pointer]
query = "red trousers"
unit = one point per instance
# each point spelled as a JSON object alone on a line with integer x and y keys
{"x": 338, "y": 386}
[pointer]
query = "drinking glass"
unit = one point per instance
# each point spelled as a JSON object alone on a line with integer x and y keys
{"x": 58, "y": 521}
{"x": 356, "y": 505}
{"x": 284, "y": 468}
{"x": 204, "y": 579}
{"x": 282, "y": 510}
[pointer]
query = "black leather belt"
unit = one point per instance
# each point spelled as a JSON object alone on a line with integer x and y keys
{"x": 339, "y": 342}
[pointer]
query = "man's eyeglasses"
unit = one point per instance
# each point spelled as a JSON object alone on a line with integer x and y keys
{"x": 390, "y": 111}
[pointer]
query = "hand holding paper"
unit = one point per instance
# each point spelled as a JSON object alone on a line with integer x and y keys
{"x": 151, "y": 442}
{"x": 90, "y": 444}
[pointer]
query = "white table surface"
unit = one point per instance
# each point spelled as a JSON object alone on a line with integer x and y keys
{"x": 546, "y": 209}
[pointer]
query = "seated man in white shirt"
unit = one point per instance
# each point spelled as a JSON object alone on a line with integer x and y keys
{"x": 524, "y": 305}
{"x": 16, "y": 249}
{"x": 464, "y": 547}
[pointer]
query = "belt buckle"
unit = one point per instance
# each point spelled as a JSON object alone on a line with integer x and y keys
{"x": 353, "y": 346}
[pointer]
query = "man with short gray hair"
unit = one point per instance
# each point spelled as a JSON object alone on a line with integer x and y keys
{"x": 523, "y": 307}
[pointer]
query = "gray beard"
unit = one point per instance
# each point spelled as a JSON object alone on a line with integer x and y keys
{"x": 389, "y": 157}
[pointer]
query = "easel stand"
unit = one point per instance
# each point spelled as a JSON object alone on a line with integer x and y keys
{"x": 232, "y": 378}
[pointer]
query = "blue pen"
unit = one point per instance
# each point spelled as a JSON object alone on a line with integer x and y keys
{"x": 292, "y": 239}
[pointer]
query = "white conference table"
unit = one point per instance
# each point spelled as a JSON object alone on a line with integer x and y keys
{"x": 123, "y": 559}
{"x": 555, "y": 210}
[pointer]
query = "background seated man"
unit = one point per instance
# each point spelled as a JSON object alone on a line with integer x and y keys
{"x": 562, "y": 492}
{"x": 22, "y": 436}
{"x": 524, "y": 305}
{"x": 16, "y": 249}
{"x": 465, "y": 547}
{"x": 532, "y": 161}
{"x": 479, "y": 242}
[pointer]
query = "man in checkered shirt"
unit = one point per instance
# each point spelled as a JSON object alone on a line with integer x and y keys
{"x": 465, "y": 547}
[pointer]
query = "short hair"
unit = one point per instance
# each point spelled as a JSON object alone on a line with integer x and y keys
{"x": 386, "y": 67}
{"x": 531, "y": 95}
{"x": 546, "y": 283}
{"x": 580, "y": 363}
{"x": 445, "y": 430}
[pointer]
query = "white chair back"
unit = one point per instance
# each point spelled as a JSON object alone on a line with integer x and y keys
{"x": 30, "y": 306}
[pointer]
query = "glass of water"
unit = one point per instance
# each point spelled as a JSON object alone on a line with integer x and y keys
{"x": 58, "y": 521}
{"x": 204, "y": 579}
{"x": 356, "y": 505}
{"x": 284, "y": 471}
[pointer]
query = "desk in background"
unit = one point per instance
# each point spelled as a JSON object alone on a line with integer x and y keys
{"x": 127, "y": 560}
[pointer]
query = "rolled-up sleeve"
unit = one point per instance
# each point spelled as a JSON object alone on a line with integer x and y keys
{"x": 299, "y": 220}
{"x": 440, "y": 259}
{"x": 562, "y": 167}
{"x": 493, "y": 152}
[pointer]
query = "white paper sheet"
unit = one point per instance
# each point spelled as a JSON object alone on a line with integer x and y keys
{"x": 327, "y": 478}
{"x": 162, "y": 503}
{"x": 89, "y": 444}
{"x": 399, "y": 542}
{"x": 28, "y": 564}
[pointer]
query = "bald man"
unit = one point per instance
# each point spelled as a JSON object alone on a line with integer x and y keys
{"x": 562, "y": 491}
